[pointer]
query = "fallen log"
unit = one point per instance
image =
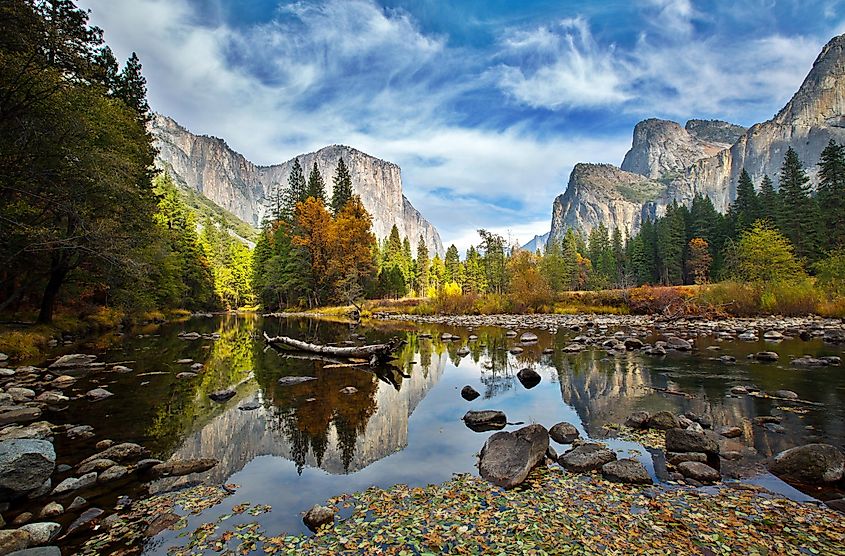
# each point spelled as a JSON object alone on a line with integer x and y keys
{"x": 374, "y": 353}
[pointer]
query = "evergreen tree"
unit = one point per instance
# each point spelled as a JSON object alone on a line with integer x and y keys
{"x": 492, "y": 249}
{"x": 342, "y": 188}
{"x": 571, "y": 258}
{"x": 769, "y": 201}
{"x": 799, "y": 216}
{"x": 474, "y": 281}
{"x": 132, "y": 88}
{"x": 422, "y": 267}
{"x": 316, "y": 188}
{"x": 745, "y": 208}
{"x": 296, "y": 192}
{"x": 452, "y": 263}
{"x": 617, "y": 247}
{"x": 671, "y": 242}
{"x": 831, "y": 194}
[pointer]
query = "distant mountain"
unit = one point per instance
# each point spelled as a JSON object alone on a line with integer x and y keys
{"x": 208, "y": 166}
{"x": 538, "y": 242}
{"x": 669, "y": 163}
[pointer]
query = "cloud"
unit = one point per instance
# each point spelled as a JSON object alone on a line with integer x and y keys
{"x": 560, "y": 66}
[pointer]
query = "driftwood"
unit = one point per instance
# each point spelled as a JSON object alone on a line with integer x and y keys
{"x": 374, "y": 353}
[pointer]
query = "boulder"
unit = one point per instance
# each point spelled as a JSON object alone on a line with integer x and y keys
{"x": 767, "y": 356}
{"x": 628, "y": 471}
{"x": 250, "y": 406}
{"x": 318, "y": 516}
{"x": 469, "y": 393}
{"x": 348, "y": 390}
{"x": 812, "y": 463}
{"x": 528, "y": 338}
{"x": 75, "y": 483}
{"x": 463, "y": 351}
{"x": 113, "y": 473}
{"x": 573, "y": 348}
{"x": 98, "y": 394}
{"x": 177, "y": 468}
{"x": 808, "y": 361}
{"x": 786, "y": 394}
{"x": 25, "y": 465}
{"x": 40, "y": 430}
{"x": 13, "y": 539}
{"x": 485, "y": 420}
{"x": 96, "y": 465}
{"x": 682, "y": 440}
{"x": 19, "y": 414}
{"x": 637, "y": 420}
{"x": 529, "y": 378}
{"x": 52, "y": 509}
{"x": 38, "y": 551}
{"x": 699, "y": 471}
{"x": 679, "y": 458}
{"x": 222, "y": 395}
{"x": 564, "y": 433}
{"x": 508, "y": 457}
{"x": 586, "y": 457}
{"x": 125, "y": 451}
{"x": 633, "y": 343}
{"x": 679, "y": 344}
{"x": 42, "y": 532}
{"x": 663, "y": 420}
{"x": 73, "y": 361}
{"x": 730, "y": 432}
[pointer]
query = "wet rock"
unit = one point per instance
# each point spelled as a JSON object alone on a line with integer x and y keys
{"x": 38, "y": 551}
{"x": 837, "y": 504}
{"x": 190, "y": 335}
{"x": 548, "y": 351}
{"x": 633, "y": 343}
{"x": 446, "y": 337}
{"x": 679, "y": 458}
{"x": 834, "y": 360}
{"x": 774, "y": 427}
{"x": 730, "y": 432}
{"x": 663, "y": 420}
{"x": 808, "y": 361}
{"x": 573, "y": 348}
{"x": 77, "y": 504}
{"x": 25, "y": 465}
{"x": 788, "y": 394}
{"x": 318, "y": 516}
{"x": 682, "y": 440}
{"x": 185, "y": 375}
{"x": 80, "y": 432}
{"x": 748, "y": 336}
{"x": 763, "y": 419}
{"x": 510, "y": 334}
{"x": 98, "y": 394}
{"x": 113, "y": 473}
{"x": 529, "y": 378}
{"x": 469, "y": 393}
{"x": 528, "y": 338}
{"x": 739, "y": 390}
{"x": 586, "y": 457}
{"x": 73, "y": 483}
{"x": 699, "y": 471}
{"x": 516, "y": 350}
{"x": 73, "y": 361}
{"x": 291, "y": 380}
{"x": 13, "y": 539}
{"x": 679, "y": 344}
{"x": 655, "y": 350}
{"x": 160, "y": 523}
{"x": 42, "y": 532}
{"x": 508, "y": 457}
{"x": 177, "y": 468}
{"x": 727, "y": 359}
{"x": 85, "y": 521}
{"x": 125, "y": 451}
{"x": 184, "y": 361}
{"x": 772, "y": 335}
{"x": 486, "y": 420}
{"x": 637, "y": 420}
{"x": 812, "y": 463}
{"x": 463, "y": 351}
{"x": 52, "y": 509}
{"x": 249, "y": 406}
{"x": 123, "y": 369}
{"x": 767, "y": 356}
{"x": 96, "y": 465}
{"x": 19, "y": 414}
{"x": 564, "y": 433}
{"x": 628, "y": 471}
{"x": 40, "y": 430}
{"x": 349, "y": 390}
{"x": 22, "y": 518}
{"x": 222, "y": 395}
{"x": 105, "y": 443}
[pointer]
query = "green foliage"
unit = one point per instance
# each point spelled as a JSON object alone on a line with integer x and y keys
{"x": 745, "y": 208}
{"x": 798, "y": 217}
{"x": 830, "y": 273}
{"x": 765, "y": 255}
{"x": 316, "y": 187}
{"x": 831, "y": 193}
{"x": 342, "y": 188}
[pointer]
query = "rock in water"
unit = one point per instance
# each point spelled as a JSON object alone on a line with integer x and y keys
{"x": 637, "y": 420}
{"x": 177, "y": 468}
{"x": 469, "y": 393}
{"x": 291, "y": 380}
{"x": 626, "y": 471}
{"x": 586, "y": 457}
{"x": 701, "y": 472}
{"x": 663, "y": 420}
{"x": 73, "y": 361}
{"x": 98, "y": 394}
{"x": 318, "y": 516}
{"x": 683, "y": 440}
{"x": 486, "y": 420}
{"x": 564, "y": 433}
{"x": 812, "y": 463}
{"x": 528, "y": 377}
{"x": 528, "y": 338}
{"x": 767, "y": 356}
{"x": 222, "y": 395}
{"x": 508, "y": 457}
{"x": 25, "y": 465}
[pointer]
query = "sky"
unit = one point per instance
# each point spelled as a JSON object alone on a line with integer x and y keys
{"x": 485, "y": 104}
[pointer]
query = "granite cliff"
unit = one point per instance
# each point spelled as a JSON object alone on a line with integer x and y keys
{"x": 210, "y": 167}
{"x": 669, "y": 163}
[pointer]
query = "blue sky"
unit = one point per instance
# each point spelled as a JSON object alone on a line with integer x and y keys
{"x": 485, "y": 104}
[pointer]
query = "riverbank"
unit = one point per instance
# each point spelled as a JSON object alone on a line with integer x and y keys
{"x": 552, "y": 513}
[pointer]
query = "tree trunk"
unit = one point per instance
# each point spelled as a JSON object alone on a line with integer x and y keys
{"x": 58, "y": 272}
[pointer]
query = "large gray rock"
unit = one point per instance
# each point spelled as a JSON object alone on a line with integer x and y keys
{"x": 318, "y": 516}
{"x": 701, "y": 472}
{"x": 663, "y": 420}
{"x": 25, "y": 465}
{"x": 75, "y": 483}
{"x": 38, "y": 551}
{"x": 485, "y": 420}
{"x": 469, "y": 393}
{"x": 73, "y": 361}
{"x": 564, "y": 433}
{"x": 683, "y": 440}
{"x": 586, "y": 457}
{"x": 529, "y": 378}
{"x": 125, "y": 451}
{"x": 42, "y": 532}
{"x": 508, "y": 457}
{"x": 812, "y": 463}
{"x": 626, "y": 471}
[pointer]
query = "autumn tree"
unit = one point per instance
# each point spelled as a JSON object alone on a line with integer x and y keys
{"x": 314, "y": 235}
{"x": 699, "y": 260}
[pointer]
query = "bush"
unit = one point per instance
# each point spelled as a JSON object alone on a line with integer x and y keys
{"x": 830, "y": 273}
{"x": 649, "y": 300}
{"x": 790, "y": 298}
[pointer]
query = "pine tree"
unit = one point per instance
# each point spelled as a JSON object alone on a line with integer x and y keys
{"x": 831, "y": 194}
{"x": 452, "y": 262}
{"x": 297, "y": 190}
{"x": 769, "y": 201}
{"x": 799, "y": 215}
{"x": 671, "y": 242}
{"x": 422, "y": 267}
{"x": 316, "y": 187}
{"x": 342, "y": 188}
{"x": 132, "y": 87}
{"x": 745, "y": 209}
{"x": 474, "y": 281}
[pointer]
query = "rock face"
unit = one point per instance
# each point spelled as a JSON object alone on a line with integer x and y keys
{"x": 813, "y": 463}
{"x": 210, "y": 167}
{"x": 663, "y": 149}
{"x": 508, "y": 457}
{"x": 706, "y": 157}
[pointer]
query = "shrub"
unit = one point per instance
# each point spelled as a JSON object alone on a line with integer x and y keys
{"x": 648, "y": 300}
{"x": 830, "y": 273}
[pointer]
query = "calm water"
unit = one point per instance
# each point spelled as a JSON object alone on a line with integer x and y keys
{"x": 309, "y": 442}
